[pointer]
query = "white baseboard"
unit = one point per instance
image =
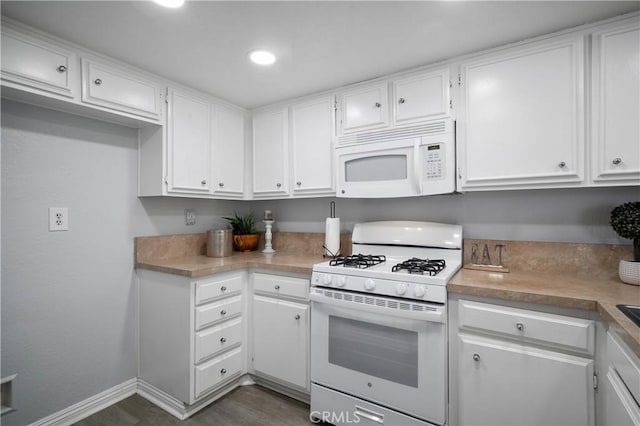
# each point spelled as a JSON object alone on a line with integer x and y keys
{"x": 89, "y": 406}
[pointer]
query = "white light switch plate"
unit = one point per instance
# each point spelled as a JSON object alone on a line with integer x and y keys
{"x": 58, "y": 219}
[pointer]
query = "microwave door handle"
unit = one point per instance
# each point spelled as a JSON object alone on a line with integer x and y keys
{"x": 417, "y": 170}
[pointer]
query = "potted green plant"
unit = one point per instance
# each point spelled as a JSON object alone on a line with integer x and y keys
{"x": 625, "y": 220}
{"x": 245, "y": 235}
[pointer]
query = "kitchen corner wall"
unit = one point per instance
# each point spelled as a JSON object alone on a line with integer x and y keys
{"x": 69, "y": 299}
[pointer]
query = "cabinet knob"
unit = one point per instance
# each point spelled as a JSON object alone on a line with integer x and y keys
{"x": 223, "y": 371}
{"x": 617, "y": 161}
{"x": 378, "y": 104}
{"x": 476, "y": 357}
{"x": 223, "y": 312}
{"x": 278, "y": 185}
{"x": 297, "y": 317}
{"x": 342, "y": 191}
{"x": 223, "y": 288}
{"x": 204, "y": 182}
{"x": 562, "y": 164}
{"x": 62, "y": 68}
{"x": 223, "y": 340}
{"x": 221, "y": 184}
{"x": 277, "y": 287}
{"x": 520, "y": 326}
{"x": 97, "y": 82}
{"x": 401, "y": 101}
{"x": 299, "y": 183}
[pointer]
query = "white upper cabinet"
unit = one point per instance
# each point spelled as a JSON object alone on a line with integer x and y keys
{"x": 421, "y": 97}
{"x": 312, "y": 131}
{"x": 115, "y": 88}
{"x": 616, "y": 105}
{"x": 36, "y": 64}
{"x": 189, "y": 142}
{"x": 522, "y": 117}
{"x": 364, "y": 108}
{"x": 228, "y": 152}
{"x": 270, "y": 153}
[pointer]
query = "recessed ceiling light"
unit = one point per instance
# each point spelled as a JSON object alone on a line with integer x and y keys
{"x": 170, "y": 3}
{"x": 262, "y": 57}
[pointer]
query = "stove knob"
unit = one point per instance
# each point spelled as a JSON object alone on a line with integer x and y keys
{"x": 341, "y": 281}
{"x": 418, "y": 291}
{"x": 401, "y": 289}
{"x": 326, "y": 279}
{"x": 369, "y": 284}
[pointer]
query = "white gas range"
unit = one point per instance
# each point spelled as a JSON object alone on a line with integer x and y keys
{"x": 378, "y": 327}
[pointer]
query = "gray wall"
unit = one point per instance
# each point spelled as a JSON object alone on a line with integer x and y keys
{"x": 69, "y": 299}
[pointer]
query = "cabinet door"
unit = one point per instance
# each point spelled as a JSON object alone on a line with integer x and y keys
{"x": 523, "y": 116}
{"x": 421, "y": 97}
{"x": 312, "y": 130}
{"x": 502, "y": 383}
{"x": 270, "y": 153}
{"x": 189, "y": 136}
{"x": 37, "y": 64}
{"x": 281, "y": 340}
{"x": 365, "y": 108}
{"x": 228, "y": 152}
{"x": 120, "y": 90}
{"x": 616, "y": 105}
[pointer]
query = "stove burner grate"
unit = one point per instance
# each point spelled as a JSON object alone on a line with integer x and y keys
{"x": 421, "y": 266}
{"x": 358, "y": 261}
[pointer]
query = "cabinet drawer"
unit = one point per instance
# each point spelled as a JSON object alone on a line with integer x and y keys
{"x": 550, "y": 329}
{"x": 219, "y": 311}
{"x": 217, "y": 371}
{"x": 217, "y": 339}
{"x": 626, "y": 364}
{"x": 120, "y": 90}
{"x": 207, "y": 291}
{"x": 289, "y": 287}
{"x": 37, "y": 64}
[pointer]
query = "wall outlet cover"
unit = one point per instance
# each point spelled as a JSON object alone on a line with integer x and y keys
{"x": 58, "y": 219}
{"x": 190, "y": 217}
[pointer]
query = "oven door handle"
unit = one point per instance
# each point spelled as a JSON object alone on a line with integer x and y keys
{"x": 435, "y": 314}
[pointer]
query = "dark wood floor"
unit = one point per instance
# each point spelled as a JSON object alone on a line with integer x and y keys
{"x": 245, "y": 406}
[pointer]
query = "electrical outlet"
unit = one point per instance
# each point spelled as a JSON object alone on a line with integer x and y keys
{"x": 190, "y": 216}
{"x": 58, "y": 219}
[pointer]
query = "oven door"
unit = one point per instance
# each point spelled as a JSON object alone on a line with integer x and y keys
{"x": 395, "y": 357}
{"x": 380, "y": 169}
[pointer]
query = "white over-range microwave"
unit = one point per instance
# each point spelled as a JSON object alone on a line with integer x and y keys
{"x": 401, "y": 162}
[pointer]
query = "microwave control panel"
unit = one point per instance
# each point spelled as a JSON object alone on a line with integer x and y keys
{"x": 434, "y": 162}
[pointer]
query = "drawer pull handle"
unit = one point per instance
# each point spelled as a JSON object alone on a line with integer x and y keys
{"x": 223, "y": 340}
{"x": 223, "y": 288}
{"x": 62, "y": 68}
{"x": 520, "y": 326}
{"x": 378, "y": 104}
{"x": 401, "y": 100}
{"x": 562, "y": 164}
{"x": 223, "y": 371}
{"x": 617, "y": 161}
{"x": 223, "y": 312}
{"x": 277, "y": 287}
{"x": 297, "y": 317}
{"x": 97, "y": 82}
{"x": 476, "y": 357}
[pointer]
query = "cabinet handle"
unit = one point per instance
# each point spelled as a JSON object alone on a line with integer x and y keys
{"x": 278, "y": 185}
{"x": 298, "y": 183}
{"x": 223, "y": 288}
{"x": 221, "y": 184}
{"x": 342, "y": 191}
{"x": 617, "y": 161}
{"x": 520, "y": 326}
{"x": 204, "y": 182}
{"x": 476, "y": 357}
{"x": 223, "y": 312}
{"x": 297, "y": 317}
{"x": 223, "y": 371}
{"x": 378, "y": 104}
{"x": 562, "y": 164}
{"x": 62, "y": 68}
{"x": 277, "y": 287}
{"x": 401, "y": 100}
{"x": 223, "y": 340}
{"x": 97, "y": 82}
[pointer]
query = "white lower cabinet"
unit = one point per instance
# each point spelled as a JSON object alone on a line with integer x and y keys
{"x": 190, "y": 334}
{"x": 280, "y": 327}
{"x": 622, "y": 384}
{"x": 508, "y": 366}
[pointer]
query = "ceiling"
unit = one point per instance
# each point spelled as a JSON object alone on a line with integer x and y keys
{"x": 320, "y": 44}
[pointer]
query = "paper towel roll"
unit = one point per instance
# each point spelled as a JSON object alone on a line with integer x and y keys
{"x": 332, "y": 236}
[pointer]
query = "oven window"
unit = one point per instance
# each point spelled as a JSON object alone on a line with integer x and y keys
{"x": 375, "y": 350}
{"x": 376, "y": 168}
